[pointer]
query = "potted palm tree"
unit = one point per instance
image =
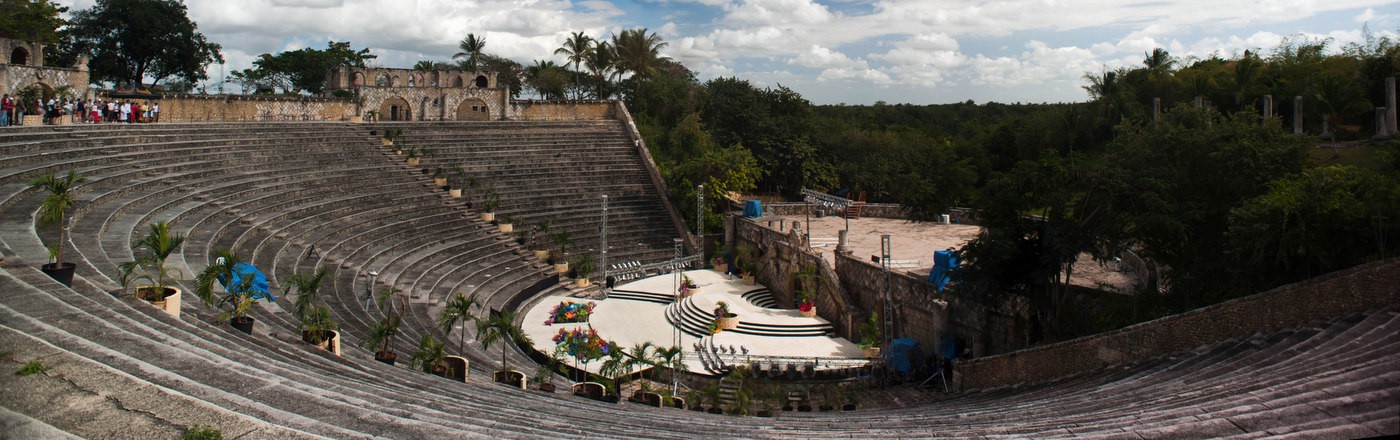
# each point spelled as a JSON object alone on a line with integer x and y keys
{"x": 489, "y": 202}
{"x": 152, "y": 250}
{"x": 501, "y": 326}
{"x": 541, "y": 229}
{"x": 747, "y": 264}
{"x": 458, "y": 180}
{"x": 430, "y": 356}
{"x": 238, "y": 290}
{"x": 440, "y": 177}
{"x": 381, "y": 334}
{"x": 808, "y": 279}
{"x": 413, "y": 158}
{"x": 544, "y": 376}
{"x": 561, "y": 256}
{"x": 317, "y": 328}
{"x": 871, "y": 336}
{"x": 507, "y": 224}
{"x": 459, "y": 310}
{"x": 53, "y": 211}
{"x": 584, "y": 267}
{"x": 389, "y": 133}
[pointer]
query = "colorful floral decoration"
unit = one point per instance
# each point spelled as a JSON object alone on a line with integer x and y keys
{"x": 583, "y": 344}
{"x": 805, "y": 306}
{"x": 569, "y": 311}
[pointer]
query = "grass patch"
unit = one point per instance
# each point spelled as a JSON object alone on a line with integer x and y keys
{"x": 202, "y": 432}
{"x": 33, "y": 367}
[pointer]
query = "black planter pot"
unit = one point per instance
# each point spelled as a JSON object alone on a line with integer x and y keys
{"x": 697, "y": 408}
{"x": 848, "y": 407}
{"x": 804, "y": 408}
{"x": 788, "y": 408}
{"x": 387, "y": 357}
{"x": 715, "y": 410}
{"x": 825, "y": 408}
{"x": 547, "y": 387}
{"x": 243, "y": 324}
{"x": 61, "y": 272}
{"x": 765, "y": 413}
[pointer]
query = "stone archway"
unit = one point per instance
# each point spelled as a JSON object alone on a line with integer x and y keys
{"x": 20, "y": 56}
{"x": 473, "y": 109}
{"x": 482, "y": 82}
{"x": 358, "y": 79}
{"x": 395, "y": 109}
{"x": 457, "y": 81}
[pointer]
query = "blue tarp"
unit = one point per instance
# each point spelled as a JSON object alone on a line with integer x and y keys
{"x": 753, "y": 209}
{"x": 244, "y": 270}
{"x": 900, "y": 351}
{"x": 943, "y": 262}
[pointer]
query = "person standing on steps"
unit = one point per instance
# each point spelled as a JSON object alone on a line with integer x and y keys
{"x": 6, "y": 106}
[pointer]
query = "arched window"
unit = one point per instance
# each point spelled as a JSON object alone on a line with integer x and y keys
{"x": 19, "y": 56}
{"x": 457, "y": 82}
{"x": 383, "y": 80}
{"x": 359, "y": 79}
{"x": 412, "y": 80}
{"x": 481, "y": 82}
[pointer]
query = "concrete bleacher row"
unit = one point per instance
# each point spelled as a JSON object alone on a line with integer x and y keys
{"x": 271, "y": 191}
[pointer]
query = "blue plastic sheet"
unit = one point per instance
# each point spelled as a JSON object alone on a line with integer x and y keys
{"x": 943, "y": 263}
{"x": 900, "y": 351}
{"x": 753, "y": 209}
{"x": 244, "y": 270}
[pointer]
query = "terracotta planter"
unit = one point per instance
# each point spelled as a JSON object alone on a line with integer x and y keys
{"x": 722, "y": 268}
{"x": 506, "y": 228}
{"x": 488, "y": 216}
{"x": 542, "y": 255}
{"x": 169, "y": 300}
{"x": 511, "y": 377}
{"x": 561, "y": 268}
{"x": 456, "y": 193}
{"x": 242, "y": 323}
{"x": 331, "y": 343}
{"x": 810, "y": 313}
{"x": 440, "y": 181}
{"x": 694, "y": 291}
{"x": 413, "y": 161}
{"x": 729, "y": 322}
{"x": 749, "y": 280}
{"x": 387, "y": 357}
{"x": 582, "y": 283}
{"x": 872, "y": 352}
{"x": 61, "y": 272}
{"x": 386, "y": 142}
{"x": 547, "y": 387}
{"x": 456, "y": 367}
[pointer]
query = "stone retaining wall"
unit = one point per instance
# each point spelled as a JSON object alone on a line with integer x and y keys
{"x": 204, "y": 108}
{"x": 1370, "y": 286}
{"x": 875, "y": 210}
{"x": 563, "y": 110}
{"x": 780, "y": 257}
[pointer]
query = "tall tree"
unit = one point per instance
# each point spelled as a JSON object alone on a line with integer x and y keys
{"x": 472, "y": 47}
{"x": 601, "y": 62}
{"x": 459, "y": 309}
{"x": 638, "y": 52}
{"x": 500, "y": 327}
{"x": 576, "y": 49}
{"x": 31, "y": 20}
{"x": 131, "y": 40}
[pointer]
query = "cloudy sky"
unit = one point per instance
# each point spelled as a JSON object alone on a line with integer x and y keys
{"x": 830, "y": 51}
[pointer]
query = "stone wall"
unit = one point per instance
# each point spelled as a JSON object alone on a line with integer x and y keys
{"x": 200, "y": 108}
{"x": 562, "y": 110}
{"x": 1350, "y": 291}
{"x": 875, "y": 210}
{"x": 14, "y": 78}
{"x": 780, "y": 256}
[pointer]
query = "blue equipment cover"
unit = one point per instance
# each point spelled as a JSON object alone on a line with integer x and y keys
{"x": 900, "y": 350}
{"x": 943, "y": 262}
{"x": 753, "y": 209}
{"x": 244, "y": 270}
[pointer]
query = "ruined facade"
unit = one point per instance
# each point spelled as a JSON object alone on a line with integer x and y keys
{"x": 386, "y": 94}
{"x": 22, "y": 67}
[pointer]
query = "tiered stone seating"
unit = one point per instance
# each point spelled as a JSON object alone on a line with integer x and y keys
{"x": 272, "y": 191}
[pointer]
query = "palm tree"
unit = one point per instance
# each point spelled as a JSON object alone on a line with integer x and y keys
{"x": 429, "y": 357}
{"x": 472, "y": 48}
{"x": 381, "y": 335}
{"x": 601, "y": 62}
{"x": 308, "y": 291}
{"x": 1159, "y": 61}
{"x": 615, "y": 368}
{"x": 53, "y": 210}
{"x": 670, "y": 357}
{"x": 577, "y": 48}
{"x": 238, "y": 290}
{"x": 155, "y": 247}
{"x": 500, "y": 327}
{"x": 638, "y": 52}
{"x": 1247, "y": 74}
{"x": 459, "y": 309}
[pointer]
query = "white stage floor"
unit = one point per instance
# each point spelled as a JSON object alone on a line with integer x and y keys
{"x": 627, "y": 322}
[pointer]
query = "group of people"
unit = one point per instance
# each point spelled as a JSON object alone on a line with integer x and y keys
{"x": 12, "y": 110}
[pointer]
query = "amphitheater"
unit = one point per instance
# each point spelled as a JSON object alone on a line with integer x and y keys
{"x": 272, "y": 191}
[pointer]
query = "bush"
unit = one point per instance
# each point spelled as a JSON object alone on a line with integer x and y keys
{"x": 33, "y": 367}
{"x": 202, "y": 432}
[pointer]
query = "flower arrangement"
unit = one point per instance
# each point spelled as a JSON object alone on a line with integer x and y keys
{"x": 583, "y": 344}
{"x": 686, "y": 285}
{"x": 714, "y": 327}
{"x": 569, "y": 311}
{"x": 805, "y": 306}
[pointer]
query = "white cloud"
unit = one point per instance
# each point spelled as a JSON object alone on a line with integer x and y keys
{"x": 822, "y": 57}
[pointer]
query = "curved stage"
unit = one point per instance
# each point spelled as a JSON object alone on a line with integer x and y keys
{"x": 645, "y": 310}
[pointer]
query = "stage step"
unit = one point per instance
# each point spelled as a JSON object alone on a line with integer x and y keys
{"x": 633, "y": 295}
{"x": 762, "y": 298}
